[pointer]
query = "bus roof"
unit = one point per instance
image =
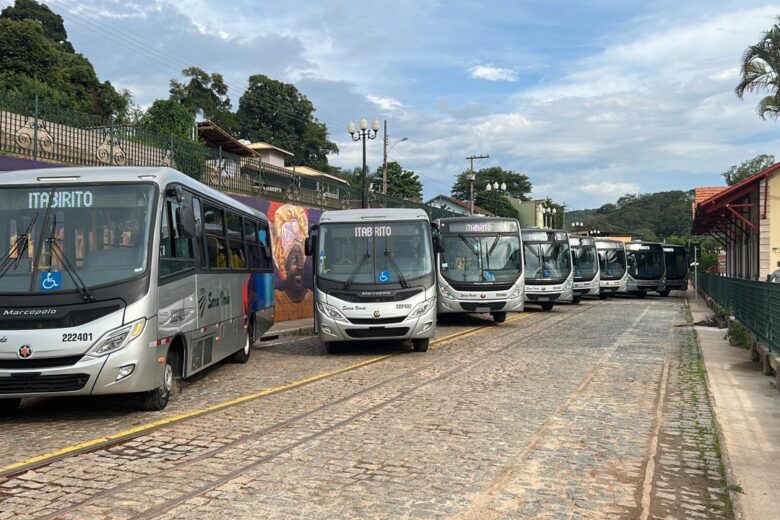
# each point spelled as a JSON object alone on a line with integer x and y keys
{"x": 360, "y": 215}
{"x": 86, "y": 175}
{"x": 475, "y": 218}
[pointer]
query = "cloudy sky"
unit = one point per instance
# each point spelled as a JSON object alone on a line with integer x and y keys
{"x": 590, "y": 102}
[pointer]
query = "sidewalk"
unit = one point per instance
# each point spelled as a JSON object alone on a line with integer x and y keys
{"x": 284, "y": 329}
{"x": 747, "y": 410}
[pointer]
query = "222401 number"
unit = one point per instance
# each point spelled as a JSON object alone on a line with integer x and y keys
{"x": 77, "y": 336}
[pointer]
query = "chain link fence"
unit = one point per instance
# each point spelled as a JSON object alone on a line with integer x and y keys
{"x": 31, "y": 128}
{"x": 755, "y": 304}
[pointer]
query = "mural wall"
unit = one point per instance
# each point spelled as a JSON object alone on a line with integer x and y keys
{"x": 293, "y": 281}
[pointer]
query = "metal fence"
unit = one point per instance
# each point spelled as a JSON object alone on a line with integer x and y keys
{"x": 755, "y": 304}
{"x": 31, "y": 128}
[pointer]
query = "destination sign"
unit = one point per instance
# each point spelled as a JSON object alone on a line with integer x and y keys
{"x": 608, "y": 245}
{"x": 669, "y": 249}
{"x": 544, "y": 236}
{"x": 60, "y": 199}
{"x": 373, "y": 231}
{"x": 501, "y": 226}
{"x": 581, "y": 241}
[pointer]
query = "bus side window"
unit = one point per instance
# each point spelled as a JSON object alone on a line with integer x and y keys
{"x": 198, "y": 232}
{"x": 214, "y": 222}
{"x": 264, "y": 236}
{"x": 236, "y": 241}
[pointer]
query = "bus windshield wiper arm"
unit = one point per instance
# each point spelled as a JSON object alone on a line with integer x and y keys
{"x": 20, "y": 244}
{"x": 55, "y": 248}
{"x": 473, "y": 249}
{"x": 397, "y": 269}
{"x": 363, "y": 260}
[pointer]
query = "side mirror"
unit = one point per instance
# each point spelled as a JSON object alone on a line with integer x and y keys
{"x": 187, "y": 218}
{"x": 438, "y": 244}
{"x": 175, "y": 192}
{"x": 308, "y": 245}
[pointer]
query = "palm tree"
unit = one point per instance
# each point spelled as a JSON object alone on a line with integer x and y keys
{"x": 761, "y": 72}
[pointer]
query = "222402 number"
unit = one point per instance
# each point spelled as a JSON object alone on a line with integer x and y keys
{"x": 77, "y": 336}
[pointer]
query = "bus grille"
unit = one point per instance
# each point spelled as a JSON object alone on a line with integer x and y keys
{"x": 384, "y": 332}
{"x": 544, "y": 297}
{"x": 376, "y": 321}
{"x": 354, "y": 297}
{"x": 26, "y": 383}
{"x": 73, "y": 318}
{"x": 40, "y": 362}
{"x": 473, "y": 306}
{"x": 471, "y": 286}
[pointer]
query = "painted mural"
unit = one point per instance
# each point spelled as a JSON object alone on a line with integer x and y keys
{"x": 293, "y": 281}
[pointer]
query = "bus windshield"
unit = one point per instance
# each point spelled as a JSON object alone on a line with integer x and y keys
{"x": 370, "y": 253}
{"x": 585, "y": 261}
{"x": 549, "y": 259}
{"x": 676, "y": 263}
{"x": 481, "y": 258}
{"x": 612, "y": 263}
{"x": 99, "y": 234}
{"x": 646, "y": 262}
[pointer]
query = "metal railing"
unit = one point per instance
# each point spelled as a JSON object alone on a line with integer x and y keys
{"x": 31, "y": 128}
{"x": 755, "y": 304}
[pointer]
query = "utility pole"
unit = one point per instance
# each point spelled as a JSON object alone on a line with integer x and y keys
{"x": 472, "y": 177}
{"x": 384, "y": 163}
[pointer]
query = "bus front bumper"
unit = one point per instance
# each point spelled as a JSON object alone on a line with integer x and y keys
{"x": 549, "y": 293}
{"x": 612, "y": 286}
{"x": 643, "y": 285}
{"x": 589, "y": 288}
{"x": 452, "y": 302}
{"x": 420, "y": 327}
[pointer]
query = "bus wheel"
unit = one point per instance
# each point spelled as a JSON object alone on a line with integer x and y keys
{"x": 603, "y": 296}
{"x": 242, "y": 356}
{"x": 576, "y": 299}
{"x": 421, "y": 345}
{"x": 9, "y": 406}
{"x": 547, "y": 306}
{"x": 499, "y": 317}
{"x": 157, "y": 399}
{"x": 641, "y": 294}
{"x": 665, "y": 292}
{"x": 332, "y": 347}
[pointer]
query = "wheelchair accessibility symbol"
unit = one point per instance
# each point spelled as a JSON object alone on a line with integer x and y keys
{"x": 383, "y": 276}
{"x": 50, "y": 281}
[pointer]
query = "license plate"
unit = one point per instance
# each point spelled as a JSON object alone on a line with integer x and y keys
{"x": 483, "y": 309}
{"x": 543, "y": 299}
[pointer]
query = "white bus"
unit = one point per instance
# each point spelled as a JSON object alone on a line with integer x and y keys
{"x": 481, "y": 266}
{"x": 549, "y": 277}
{"x": 118, "y": 280}
{"x": 612, "y": 266}
{"x": 646, "y": 267}
{"x": 374, "y": 276}
{"x": 587, "y": 275}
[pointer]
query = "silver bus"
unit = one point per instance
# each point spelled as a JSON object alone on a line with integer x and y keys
{"x": 481, "y": 266}
{"x": 646, "y": 267}
{"x": 374, "y": 276}
{"x": 612, "y": 267}
{"x": 676, "y": 260}
{"x": 549, "y": 277}
{"x": 586, "y": 267}
{"x": 118, "y": 280}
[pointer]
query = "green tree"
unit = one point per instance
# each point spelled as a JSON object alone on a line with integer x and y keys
{"x": 277, "y": 112}
{"x": 517, "y": 184}
{"x": 206, "y": 94}
{"x": 760, "y": 72}
{"x": 33, "y": 63}
{"x": 51, "y": 23}
{"x": 401, "y": 182}
{"x": 738, "y": 173}
{"x": 167, "y": 117}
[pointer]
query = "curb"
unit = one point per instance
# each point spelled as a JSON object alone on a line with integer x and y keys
{"x": 306, "y": 330}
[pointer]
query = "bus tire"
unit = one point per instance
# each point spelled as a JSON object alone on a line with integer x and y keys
{"x": 547, "y": 306}
{"x": 641, "y": 294}
{"x": 499, "y": 317}
{"x": 576, "y": 299}
{"x": 332, "y": 347}
{"x": 603, "y": 296}
{"x": 421, "y": 345}
{"x": 665, "y": 292}
{"x": 9, "y": 406}
{"x": 242, "y": 356}
{"x": 157, "y": 399}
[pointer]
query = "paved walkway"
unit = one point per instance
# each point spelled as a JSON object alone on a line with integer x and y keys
{"x": 747, "y": 409}
{"x": 284, "y": 329}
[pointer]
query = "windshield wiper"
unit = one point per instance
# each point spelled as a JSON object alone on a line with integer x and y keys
{"x": 363, "y": 260}
{"x": 397, "y": 269}
{"x": 492, "y": 247}
{"x": 55, "y": 248}
{"x": 473, "y": 249}
{"x": 20, "y": 244}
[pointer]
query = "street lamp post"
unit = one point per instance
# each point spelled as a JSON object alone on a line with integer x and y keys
{"x": 496, "y": 188}
{"x": 577, "y": 225}
{"x": 384, "y": 162}
{"x": 549, "y": 216}
{"x": 363, "y": 134}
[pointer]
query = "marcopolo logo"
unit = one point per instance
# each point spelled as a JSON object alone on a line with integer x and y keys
{"x": 28, "y": 313}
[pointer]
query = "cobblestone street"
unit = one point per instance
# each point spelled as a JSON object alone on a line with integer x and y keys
{"x": 590, "y": 411}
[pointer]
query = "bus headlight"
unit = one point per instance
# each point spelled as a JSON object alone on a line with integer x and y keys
{"x": 515, "y": 293}
{"x": 118, "y": 339}
{"x": 331, "y": 312}
{"x": 567, "y": 285}
{"x": 445, "y": 291}
{"x": 422, "y": 308}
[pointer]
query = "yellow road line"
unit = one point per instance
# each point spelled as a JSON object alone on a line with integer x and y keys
{"x": 37, "y": 460}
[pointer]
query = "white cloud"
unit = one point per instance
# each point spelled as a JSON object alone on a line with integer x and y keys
{"x": 610, "y": 188}
{"x": 492, "y": 73}
{"x": 385, "y": 103}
